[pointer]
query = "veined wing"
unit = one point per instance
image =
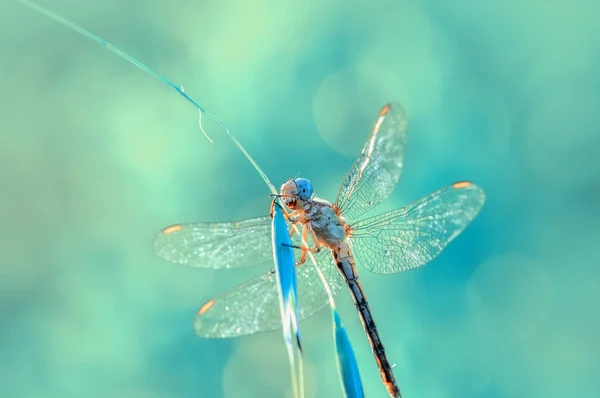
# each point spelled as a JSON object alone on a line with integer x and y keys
{"x": 377, "y": 170}
{"x": 224, "y": 245}
{"x": 253, "y": 306}
{"x": 413, "y": 235}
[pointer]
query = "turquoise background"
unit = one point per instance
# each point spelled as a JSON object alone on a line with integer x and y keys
{"x": 96, "y": 157}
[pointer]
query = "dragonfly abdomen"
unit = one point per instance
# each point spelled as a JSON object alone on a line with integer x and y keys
{"x": 346, "y": 265}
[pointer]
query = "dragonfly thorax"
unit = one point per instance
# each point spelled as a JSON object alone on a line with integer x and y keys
{"x": 322, "y": 220}
{"x": 329, "y": 227}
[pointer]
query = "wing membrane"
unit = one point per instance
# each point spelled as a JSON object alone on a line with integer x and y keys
{"x": 377, "y": 170}
{"x": 253, "y": 306}
{"x": 413, "y": 235}
{"x": 217, "y": 245}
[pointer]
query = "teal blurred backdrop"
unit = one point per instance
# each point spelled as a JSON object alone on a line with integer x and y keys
{"x": 96, "y": 157}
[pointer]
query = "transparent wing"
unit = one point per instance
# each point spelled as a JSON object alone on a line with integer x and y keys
{"x": 413, "y": 235}
{"x": 377, "y": 169}
{"x": 217, "y": 245}
{"x": 253, "y": 306}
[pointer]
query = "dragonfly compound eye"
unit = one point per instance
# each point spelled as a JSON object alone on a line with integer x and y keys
{"x": 305, "y": 190}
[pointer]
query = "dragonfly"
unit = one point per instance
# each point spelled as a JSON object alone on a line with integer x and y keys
{"x": 395, "y": 241}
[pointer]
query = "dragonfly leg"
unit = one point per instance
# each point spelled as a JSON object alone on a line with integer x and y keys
{"x": 291, "y": 217}
{"x": 286, "y": 215}
{"x": 306, "y": 228}
{"x": 305, "y": 249}
{"x": 304, "y": 235}
{"x": 315, "y": 239}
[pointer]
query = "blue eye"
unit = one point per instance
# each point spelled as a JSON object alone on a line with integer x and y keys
{"x": 305, "y": 190}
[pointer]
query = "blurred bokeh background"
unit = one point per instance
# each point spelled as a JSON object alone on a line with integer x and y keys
{"x": 96, "y": 157}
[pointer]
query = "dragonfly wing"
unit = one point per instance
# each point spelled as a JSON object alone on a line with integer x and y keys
{"x": 377, "y": 169}
{"x": 413, "y": 235}
{"x": 253, "y": 306}
{"x": 217, "y": 245}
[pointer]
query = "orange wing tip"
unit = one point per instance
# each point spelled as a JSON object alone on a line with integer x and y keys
{"x": 171, "y": 229}
{"x": 462, "y": 184}
{"x": 207, "y": 306}
{"x": 384, "y": 111}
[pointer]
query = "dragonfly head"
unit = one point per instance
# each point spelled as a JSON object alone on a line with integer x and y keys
{"x": 295, "y": 191}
